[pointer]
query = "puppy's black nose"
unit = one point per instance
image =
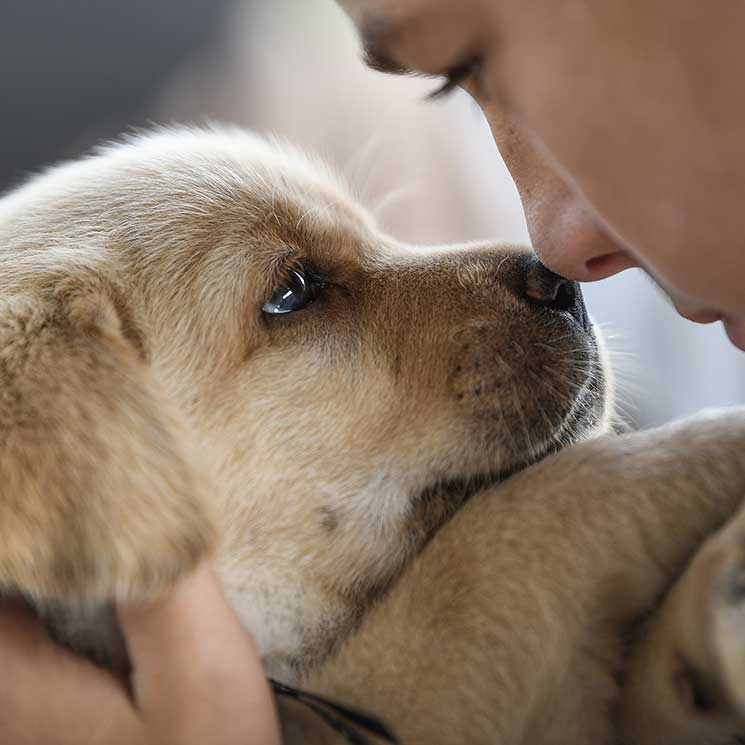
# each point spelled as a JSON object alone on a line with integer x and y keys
{"x": 550, "y": 290}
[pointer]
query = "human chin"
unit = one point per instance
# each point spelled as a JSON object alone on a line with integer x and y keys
{"x": 697, "y": 314}
{"x": 735, "y": 328}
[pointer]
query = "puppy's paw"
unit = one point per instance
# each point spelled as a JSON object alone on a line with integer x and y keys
{"x": 727, "y": 609}
{"x": 685, "y": 681}
{"x": 99, "y": 499}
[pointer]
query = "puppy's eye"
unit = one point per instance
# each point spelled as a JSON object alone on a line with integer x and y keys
{"x": 299, "y": 290}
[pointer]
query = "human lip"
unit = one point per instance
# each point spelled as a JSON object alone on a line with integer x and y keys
{"x": 699, "y": 315}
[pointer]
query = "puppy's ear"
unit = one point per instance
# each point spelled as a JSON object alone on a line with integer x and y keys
{"x": 98, "y": 497}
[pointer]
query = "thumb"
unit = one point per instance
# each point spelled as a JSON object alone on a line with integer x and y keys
{"x": 196, "y": 670}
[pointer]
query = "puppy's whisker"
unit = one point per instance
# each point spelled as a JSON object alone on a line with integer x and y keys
{"x": 551, "y": 426}
{"x": 500, "y": 359}
{"x": 521, "y": 415}
{"x": 562, "y": 398}
{"x": 560, "y": 337}
{"x": 501, "y": 264}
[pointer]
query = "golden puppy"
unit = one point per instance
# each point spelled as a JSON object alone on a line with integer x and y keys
{"x": 206, "y": 344}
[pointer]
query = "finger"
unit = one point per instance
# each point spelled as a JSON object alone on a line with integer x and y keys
{"x": 48, "y": 695}
{"x": 196, "y": 671}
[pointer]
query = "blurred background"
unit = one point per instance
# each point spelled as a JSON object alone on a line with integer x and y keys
{"x": 74, "y": 72}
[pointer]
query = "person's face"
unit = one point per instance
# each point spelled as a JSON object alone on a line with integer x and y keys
{"x": 461, "y": 41}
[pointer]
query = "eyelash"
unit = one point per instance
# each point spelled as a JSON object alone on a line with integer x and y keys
{"x": 307, "y": 269}
{"x": 456, "y": 76}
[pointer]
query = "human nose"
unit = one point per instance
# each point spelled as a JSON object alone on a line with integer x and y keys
{"x": 578, "y": 248}
{"x": 606, "y": 265}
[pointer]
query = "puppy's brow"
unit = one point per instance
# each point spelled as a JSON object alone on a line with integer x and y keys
{"x": 279, "y": 265}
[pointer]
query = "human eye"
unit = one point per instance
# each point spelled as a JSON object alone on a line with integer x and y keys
{"x": 465, "y": 72}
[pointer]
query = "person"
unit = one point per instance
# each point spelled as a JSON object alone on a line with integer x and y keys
{"x": 621, "y": 123}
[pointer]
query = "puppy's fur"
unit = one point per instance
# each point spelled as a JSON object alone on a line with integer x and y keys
{"x": 151, "y": 412}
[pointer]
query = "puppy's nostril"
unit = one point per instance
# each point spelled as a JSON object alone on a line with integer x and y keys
{"x": 550, "y": 290}
{"x": 566, "y": 295}
{"x": 544, "y": 287}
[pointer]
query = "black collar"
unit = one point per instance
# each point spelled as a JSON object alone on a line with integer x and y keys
{"x": 350, "y": 723}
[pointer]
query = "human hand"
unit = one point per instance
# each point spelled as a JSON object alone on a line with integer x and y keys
{"x": 197, "y": 678}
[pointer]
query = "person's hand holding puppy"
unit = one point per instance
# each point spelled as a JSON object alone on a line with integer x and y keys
{"x": 196, "y": 678}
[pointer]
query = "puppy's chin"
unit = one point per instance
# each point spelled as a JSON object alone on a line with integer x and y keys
{"x": 592, "y": 409}
{"x": 590, "y": 414}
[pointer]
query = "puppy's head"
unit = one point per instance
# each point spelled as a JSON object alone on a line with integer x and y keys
{"x": 348, "y": 392}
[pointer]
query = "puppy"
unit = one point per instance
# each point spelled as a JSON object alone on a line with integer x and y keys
{"x": 206, "y": 345}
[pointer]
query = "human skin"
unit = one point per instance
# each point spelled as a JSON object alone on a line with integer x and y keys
{"x": 197, "y": 678}
{"x": 621, "y": 122}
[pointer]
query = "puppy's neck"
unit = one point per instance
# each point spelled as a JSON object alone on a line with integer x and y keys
{"x": 293, "y": 623}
